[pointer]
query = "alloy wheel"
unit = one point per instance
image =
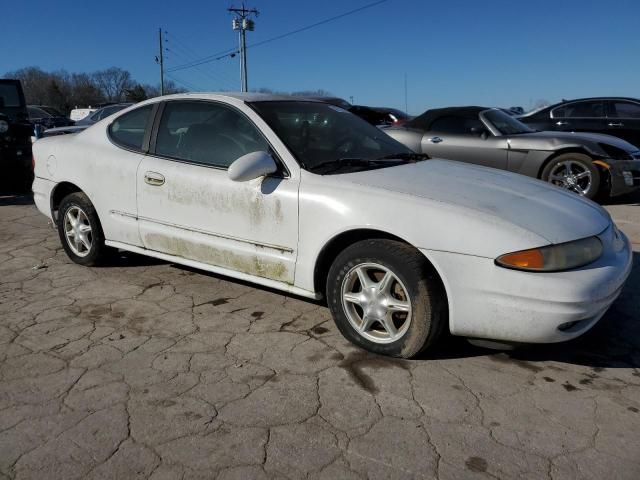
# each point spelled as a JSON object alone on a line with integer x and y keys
{"x": 571, "y": 175}
{"x": 78, "y": 231}
{"x": 376, "y": 303}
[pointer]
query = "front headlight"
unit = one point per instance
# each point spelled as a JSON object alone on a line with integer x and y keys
{"x": 4, "y": 126}
{"x": 554, "y": 258}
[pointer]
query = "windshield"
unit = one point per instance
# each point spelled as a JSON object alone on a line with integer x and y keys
{"x": 318, "y": 133}
{"x": 505, "y": 123}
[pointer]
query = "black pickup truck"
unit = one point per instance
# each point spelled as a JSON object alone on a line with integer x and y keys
{"x": 16, "y": 173}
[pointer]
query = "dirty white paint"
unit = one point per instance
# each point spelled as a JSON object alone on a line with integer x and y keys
{"x": 272, "y": 231}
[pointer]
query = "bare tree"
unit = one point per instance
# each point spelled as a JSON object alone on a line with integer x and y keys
{"x": 113, "y": 83}
{"x": 169, "y": 88}
{"x": 312, "y": 93}
{"x": 34, "y": 83}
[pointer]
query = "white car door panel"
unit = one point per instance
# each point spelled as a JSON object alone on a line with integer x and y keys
{"x": 197, "y": 212}
{"x": 200, "y": 214}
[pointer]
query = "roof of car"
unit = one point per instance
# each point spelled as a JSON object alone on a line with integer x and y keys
{"x": 243, "y": 96}
{"x": 427, "y": 118}
{"x": 572, "y": 100}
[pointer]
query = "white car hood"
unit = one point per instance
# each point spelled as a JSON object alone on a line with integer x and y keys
{"x": 533, "y": 205}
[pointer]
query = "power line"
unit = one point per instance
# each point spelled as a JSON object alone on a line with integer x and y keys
{"x": 322, "y": 22}
{"x": 184, "y": 83}
{"x": 231, "y": 52}
{"x": 211, "y": 78}
{"x": 186, "y": 54}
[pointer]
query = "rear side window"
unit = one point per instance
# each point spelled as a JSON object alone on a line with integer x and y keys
{"x": 591, "y": 109}
{"x": 128, "y": 130}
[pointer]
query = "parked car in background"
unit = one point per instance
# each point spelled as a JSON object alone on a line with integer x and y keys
{"x": 101, "y": 113}
{"x": 15, "y": 138}
{"x": 587, "y": 163}
{"x": 514, "y": 111}
{"x": 48, "y": 117}
{"x": 80, "y": 113}
{"x": 618, "y": 116}
{"x": 337, "y": 101}
{"x": 380, "y": 116}
{"x": 308, "y": 198}
{"x": 86, "y": 122}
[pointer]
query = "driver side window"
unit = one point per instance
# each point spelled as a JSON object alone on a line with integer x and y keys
{"x": 206, "y": 133}
{"x": 458, "y": 125}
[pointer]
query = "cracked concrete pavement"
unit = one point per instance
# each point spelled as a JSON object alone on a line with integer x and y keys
{"x": 144, "y": 369}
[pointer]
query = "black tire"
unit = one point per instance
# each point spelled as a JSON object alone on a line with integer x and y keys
{"x": 582, "y": 160}
{"x": 424, "y": 289}
{"x": 98, "y": 251}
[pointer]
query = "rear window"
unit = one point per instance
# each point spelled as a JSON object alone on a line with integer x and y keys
{"x": 9, "y": 95}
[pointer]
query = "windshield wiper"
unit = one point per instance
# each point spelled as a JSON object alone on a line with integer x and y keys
{"x": 339, "y": 164}
{"x": 410, "y": 157}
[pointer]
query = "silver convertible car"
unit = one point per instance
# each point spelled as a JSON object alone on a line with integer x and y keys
{"x": 307, "y": 198}
{"x": 588, "y": 164}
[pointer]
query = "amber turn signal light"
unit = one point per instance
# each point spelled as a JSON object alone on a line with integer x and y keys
{"x": 530, "y": 259}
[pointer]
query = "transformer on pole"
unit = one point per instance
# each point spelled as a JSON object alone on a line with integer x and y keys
{"x": 241, "y": 23}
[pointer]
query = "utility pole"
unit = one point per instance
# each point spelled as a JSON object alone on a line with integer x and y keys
{"x": 160, "y": 61}
{"x": 241, "y": 22}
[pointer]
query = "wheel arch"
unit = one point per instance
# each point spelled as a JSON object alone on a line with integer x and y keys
{"x": 562, "y": 151}
{"x": 339, "y": 242}
{"x": 60, "y": 191}
{"x": 605, "y": 174}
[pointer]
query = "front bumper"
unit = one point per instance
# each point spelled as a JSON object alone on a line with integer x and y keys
{"x": 490, "y": 302}
{"x": 625, "y": 176}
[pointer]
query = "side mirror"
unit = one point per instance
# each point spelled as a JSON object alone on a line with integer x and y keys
{"x": 252, "y": 165}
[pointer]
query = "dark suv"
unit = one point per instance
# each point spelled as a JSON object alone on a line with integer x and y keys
{"x": 618, "y": 116}
{"x": 15, "y": 138}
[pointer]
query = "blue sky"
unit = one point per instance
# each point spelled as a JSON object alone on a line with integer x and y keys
{"x": 454, "y": 52}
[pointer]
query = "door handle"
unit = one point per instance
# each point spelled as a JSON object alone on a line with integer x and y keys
{"x": 561, "y": 123}
{"x": 435, "y": 139}
{"x": 153, "y": 178}
{"x": 613, "y": 124}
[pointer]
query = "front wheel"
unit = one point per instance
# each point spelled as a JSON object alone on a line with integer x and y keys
{"x": 80, "y": 230}
{"x": 574, "y": 172}
{"x": 385, "y": 298}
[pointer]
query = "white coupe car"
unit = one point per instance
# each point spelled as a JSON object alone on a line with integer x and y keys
{"x": 304, "y": 197}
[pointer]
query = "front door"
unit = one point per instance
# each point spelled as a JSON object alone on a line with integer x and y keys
{"x": 189, "y": 207}
{"x": 466, "y": 139}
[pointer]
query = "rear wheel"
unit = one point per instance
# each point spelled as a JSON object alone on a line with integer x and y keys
{"x": 80, "y": 230}
{"x": 574, "y": 172}
{"x": 385, "y": 298}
